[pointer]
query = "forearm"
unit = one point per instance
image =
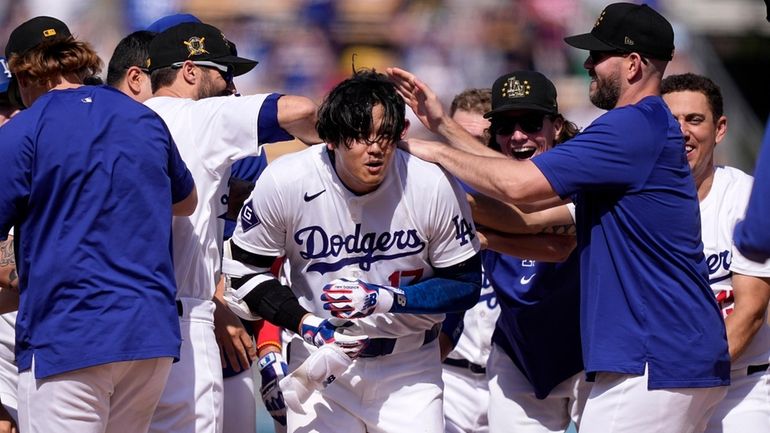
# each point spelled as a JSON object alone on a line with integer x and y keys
{"x": 507, "y": 218}
{"x": 505, "y": 179}
{"x": 544, "y": 247}
{"x": 9, "y": 278}
{"x": 751, "y": 296}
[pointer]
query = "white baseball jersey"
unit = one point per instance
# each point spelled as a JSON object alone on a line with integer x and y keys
{"x": 475, "y": 343}
{"x": 724, "y": 206}
{"x": 211, "y": 134}
{"x": 416, "y": 220}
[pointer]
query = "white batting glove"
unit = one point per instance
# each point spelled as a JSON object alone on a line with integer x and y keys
{"x": 320, "y": 332}
{"x": 349, "y": 298}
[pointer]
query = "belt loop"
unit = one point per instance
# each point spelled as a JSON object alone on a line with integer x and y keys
{"x": 179, "y": 309}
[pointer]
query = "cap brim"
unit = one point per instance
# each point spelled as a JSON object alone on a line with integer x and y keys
{"x": 587, "y": 41}
{"x": 240, "y": 65}
{"x": 514, "y": 107}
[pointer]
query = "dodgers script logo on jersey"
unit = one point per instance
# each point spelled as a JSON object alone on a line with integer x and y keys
{"x": 364, "y": 249}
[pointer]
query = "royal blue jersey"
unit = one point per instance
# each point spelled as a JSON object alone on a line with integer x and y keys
{"x": 752, "y": 235}
{"x": 539, "y": 323}
{"x": 645, "y": 297}
{"x": 88, "y": 180}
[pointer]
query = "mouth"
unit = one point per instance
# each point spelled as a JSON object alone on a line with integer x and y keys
{"x": 525, "y": 152}
{"x": 374, "y": 166}
{"x": 688, "y": 148}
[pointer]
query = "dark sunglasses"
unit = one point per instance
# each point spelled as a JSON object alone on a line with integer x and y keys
{"x": 529, "y": 124}
{"x": 599, "y": 56}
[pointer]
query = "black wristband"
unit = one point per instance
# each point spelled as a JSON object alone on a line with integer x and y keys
{"x": 277, "y": 304}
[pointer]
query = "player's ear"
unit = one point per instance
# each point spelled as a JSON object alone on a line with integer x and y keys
{"x": 190, "y": 72}
{"x": 721, "y": 129}
{"x": 406, "y": 128}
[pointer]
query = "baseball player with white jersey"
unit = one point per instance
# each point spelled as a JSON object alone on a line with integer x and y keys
{"x": 466, "y": 394}
{"x": 191, "y": 65}
{"x": 371, "y": 235}
{"x": 741, "y": 287}
{"x": 652, "y": 335}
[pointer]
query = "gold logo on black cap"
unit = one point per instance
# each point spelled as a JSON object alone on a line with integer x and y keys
{"x": 514, "y": 88}
{"x": 47, "y": 33}
{"x": 195, "y": 46}
{"x": 628, "y": 41}
{"x": 601, "y": 17}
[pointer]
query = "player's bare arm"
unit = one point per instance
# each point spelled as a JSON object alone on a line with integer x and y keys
{"x": 297, "y": 115}
{"x": 187, "y": 206}
{"x": 751, "y": 295}
{"x": 508, "y": 218}
{"x": 545, "y": 247}
{"x": 233, "y": 340}
{"x": 9, "y": 279}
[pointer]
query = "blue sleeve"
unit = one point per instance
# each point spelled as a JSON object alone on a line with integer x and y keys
{"x": 617, "y": 151}
{"x": 452, "y": 289}
{"x": 250, "y": 168}
{"x": 269, "y": 130}
{"x": 752, "y": 235}
{"x": 16, "y": 153}
{"x": 182, "y": 182}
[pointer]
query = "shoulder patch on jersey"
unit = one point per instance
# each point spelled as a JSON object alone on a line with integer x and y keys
{"x": 249, "y": 218}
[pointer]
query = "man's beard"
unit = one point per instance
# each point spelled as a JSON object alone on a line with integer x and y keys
{"x": 208, "y": 88}
{"x": 607, "y": 92}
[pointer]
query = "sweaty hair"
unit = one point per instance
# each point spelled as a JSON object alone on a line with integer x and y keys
{"x": 695, "y": 83}
{"x": 346, "y": 113}
{"x": 473, "y": 101}
{"x": 133, "y": 50}
{"x": 46, "y": 62}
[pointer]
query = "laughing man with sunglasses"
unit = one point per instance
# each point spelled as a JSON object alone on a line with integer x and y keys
{"x": 652, "y": 335}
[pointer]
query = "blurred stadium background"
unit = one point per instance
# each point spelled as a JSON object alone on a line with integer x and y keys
{"x": 306, "y": 46}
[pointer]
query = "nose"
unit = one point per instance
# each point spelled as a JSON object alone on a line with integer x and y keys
{"x": 518, "y": 135}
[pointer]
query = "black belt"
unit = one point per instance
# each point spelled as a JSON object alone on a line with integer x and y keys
{"x": 464, "y": 363}
{"x": 179, "y": 308}
{"x": 385, "y": 346}
{"x": 756, "y": 369}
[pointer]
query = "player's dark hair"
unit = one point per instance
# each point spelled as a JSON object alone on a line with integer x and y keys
{"x": 46, "y": 62}
{"x": 163, "y": 77}
{"x": 133, "y": 50}
{"x": 346, "y": 113}
{"x": 473, "y": 101}
{"x": 695, "y": 83}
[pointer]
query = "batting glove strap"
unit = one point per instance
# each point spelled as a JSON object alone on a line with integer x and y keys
{"x": 319, "y": 332}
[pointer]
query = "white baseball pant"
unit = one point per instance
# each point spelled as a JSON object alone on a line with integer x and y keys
{"x": 240, "y": 403}
{"x": 621, "y": 403}
{"x": 514, "y": 407}
{"x": 111, "y": 398}
{"x": 396, "y": 393}
{"x": 746, "y": 408}
{"x": 192, "y": 399}
{"x": 466, "y": 399}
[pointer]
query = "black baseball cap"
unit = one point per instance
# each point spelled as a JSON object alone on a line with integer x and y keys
{"x": 34, "y": 32}
{"x": 628, "y": 27}
{"x": 523, "y": 90}
{"x": 195, "y": 42}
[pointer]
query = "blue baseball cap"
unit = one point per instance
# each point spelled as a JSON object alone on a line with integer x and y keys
{"x": 5, "y": 75}
{"x": 165, "y": 23}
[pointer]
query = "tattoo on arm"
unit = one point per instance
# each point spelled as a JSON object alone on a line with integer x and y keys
{"x": 6, "y": 252}
{"x": 565, "y": 229}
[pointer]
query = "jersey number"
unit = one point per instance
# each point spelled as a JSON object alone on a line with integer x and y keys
{"x": 399, "y": 278}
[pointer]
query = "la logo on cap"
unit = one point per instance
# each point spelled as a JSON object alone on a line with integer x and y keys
{"x": 513, "y": 88}
{"x": 196, "y": 46}
{"x": 47, "y": 33}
